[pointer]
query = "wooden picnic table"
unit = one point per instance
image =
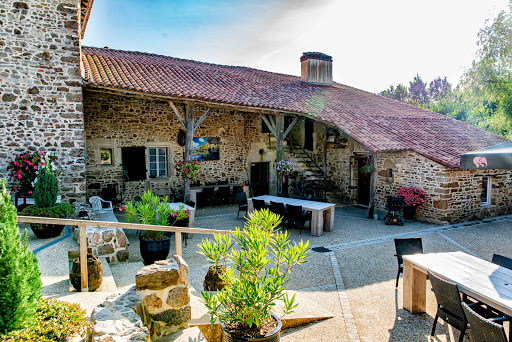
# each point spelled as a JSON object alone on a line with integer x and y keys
{"x": 322, "y": 217}
{"x": 478, "y": 278}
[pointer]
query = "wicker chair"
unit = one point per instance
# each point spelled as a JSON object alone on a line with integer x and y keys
{"x": 278, "y": 209}
{"x": 502, "y": 261}
{"x": 295, "y": 217}
{"x": 258, "y": 204}
{"x": 406, "y": 247}
{"x": 241, "y": 198}
{"x": 484, "y": 330}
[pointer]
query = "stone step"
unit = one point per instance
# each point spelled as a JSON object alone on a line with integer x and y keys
{"x": 124, "y": 274}
{"x": 185, "y": 335}
{"x": 108, "y": 284}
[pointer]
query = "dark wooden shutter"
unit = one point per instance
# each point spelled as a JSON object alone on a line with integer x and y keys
{"x": 134, "y": 162}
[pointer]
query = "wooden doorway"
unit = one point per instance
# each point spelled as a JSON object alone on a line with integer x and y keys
{"x": 363, "y": 181}
{"x": 260, "y": 178}
{"x": 308, "y": 134}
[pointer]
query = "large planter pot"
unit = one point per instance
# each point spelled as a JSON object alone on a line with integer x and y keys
{"x": 410, "y": 213}
{"x": 273, "y": 336}
{"x": 45, "y": 231}
{"x": 94, "y": 273}
{"x": 153, "y": 250}
{"x": 212, "y": 281}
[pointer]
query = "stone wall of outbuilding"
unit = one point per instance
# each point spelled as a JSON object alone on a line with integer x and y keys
{"x": 40, "y": 87}
{"x": 114, "y": 121}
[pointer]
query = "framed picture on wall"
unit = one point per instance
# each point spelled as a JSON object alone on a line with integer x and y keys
{"x": 106, "y": 156}
{"x": 205, "y": 148}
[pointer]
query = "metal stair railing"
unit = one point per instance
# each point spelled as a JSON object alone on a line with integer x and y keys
{"x": 313, "y": 160}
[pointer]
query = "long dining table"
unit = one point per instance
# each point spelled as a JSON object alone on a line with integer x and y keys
{"x": 322, "y": 217}
{"x": 478, "y": 278}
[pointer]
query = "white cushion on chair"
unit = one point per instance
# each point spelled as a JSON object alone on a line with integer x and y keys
{"x": 97, "y": 204}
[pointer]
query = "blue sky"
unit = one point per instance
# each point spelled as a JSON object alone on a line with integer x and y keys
{"x": 373, "y": 43}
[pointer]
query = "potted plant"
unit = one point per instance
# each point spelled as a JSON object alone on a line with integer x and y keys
{"x": 254, "y": 278}
{"x": 154, "y": 245}
{"x": 215, "y": 252}
{"x": 189, "y": 169}
{"x": 368, "y": 168}
{"x": 413, "y": 198}
{"x": 24, "y": 168}
{"x": 285, "y": 167}
{"x": 45, "y": 193}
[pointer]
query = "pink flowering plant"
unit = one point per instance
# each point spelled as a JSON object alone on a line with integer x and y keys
{"x": 413, "y": 197}
{"x": 285, "y": 167}
{"x": 155, "y": 211}
{"x": 23, "y": 170}
{"x": 189, "y": 169}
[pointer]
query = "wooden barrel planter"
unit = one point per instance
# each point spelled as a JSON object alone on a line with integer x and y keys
{"x": 94, "y": 273}
{"x": 212, "y": 281}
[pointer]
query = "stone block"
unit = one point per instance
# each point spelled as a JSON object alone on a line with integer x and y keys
{"x": 153, "y": 301}
{"x": 122, "y": 255}
{"x": 158, "y": 276}
{"x": 174, "y": 316}
{"x": 178, "y": 297}
{"x": 105, "y": 249}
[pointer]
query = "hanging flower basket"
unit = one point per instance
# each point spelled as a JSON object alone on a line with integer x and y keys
{"x": 285, "y": 167}
{"x": 367, "y": 169}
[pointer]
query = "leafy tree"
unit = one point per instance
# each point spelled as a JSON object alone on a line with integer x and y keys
{"x": 20, "y": 284}
{"x": 400, "y": 93}
{"x": 439, "y": 89}
{"x": 418, "y": 91}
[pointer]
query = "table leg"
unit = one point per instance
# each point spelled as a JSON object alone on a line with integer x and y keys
{"x": 415, "y": 289}
{"x": 193, "y": 196}
{"x": 317, "y": 223}
{"x": 249, "y": 206}
{"x": 191, "y": 223}
{"x": 329, "y": 219}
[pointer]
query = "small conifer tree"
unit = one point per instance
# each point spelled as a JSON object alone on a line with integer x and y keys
{"x": 20, "y": 283}
{"x": 46, "y": 188}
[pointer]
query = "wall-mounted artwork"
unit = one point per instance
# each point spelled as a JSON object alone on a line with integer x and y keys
{"x": 106, "y": 156}
{"x": 204, "y": 148}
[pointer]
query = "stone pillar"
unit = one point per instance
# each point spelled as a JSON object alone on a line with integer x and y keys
{"x": 165, "y": 305}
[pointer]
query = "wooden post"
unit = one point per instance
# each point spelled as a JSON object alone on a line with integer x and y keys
{"x": 414, "y": 292}
{"x": 279, "y": 150}
{"x": 83, "y": 259}
{"x": 325, "y": 160}
{"x": 177, "y": 243}
{"x": 189, "y": 121}
{"x": 373, "y": 187}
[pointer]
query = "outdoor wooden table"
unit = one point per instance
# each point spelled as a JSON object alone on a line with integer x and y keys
{"x": 480, "y": 279}
{"x": 322, "y": 217}
{"x": 195, "y": 189}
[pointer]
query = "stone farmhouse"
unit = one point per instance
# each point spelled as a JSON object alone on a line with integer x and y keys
{"x": 119, "y": 121}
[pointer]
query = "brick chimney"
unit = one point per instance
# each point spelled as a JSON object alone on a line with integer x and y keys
{"x": 316, "y": 67}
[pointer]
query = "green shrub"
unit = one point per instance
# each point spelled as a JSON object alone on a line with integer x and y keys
{"x": 58, "y": 210}
{"x": 20, "y": 284}
{"x": 54, "y": 320}
{"x": 46, "y": 188}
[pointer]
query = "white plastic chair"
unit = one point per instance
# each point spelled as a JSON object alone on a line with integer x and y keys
{"x": 97, "y": 204}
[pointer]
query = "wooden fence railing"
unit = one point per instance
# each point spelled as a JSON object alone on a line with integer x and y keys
{"x": 82, "y": 224}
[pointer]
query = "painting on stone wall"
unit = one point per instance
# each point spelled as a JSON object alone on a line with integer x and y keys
{"x": 106, "y": 156}
{"x": 205, "y": 148}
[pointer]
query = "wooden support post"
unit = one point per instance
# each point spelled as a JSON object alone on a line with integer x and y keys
{"x": 189, "y": 121}
{"x": 279, "y": 151}
{"x": 415, "y": 289}
{"x": 83, "y": 259}
{"x": 177, "y": 243}
{"x": 373, "y": 187}
{"x": 325, "y": 161}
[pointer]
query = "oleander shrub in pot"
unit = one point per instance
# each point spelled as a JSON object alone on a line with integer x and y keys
{"x": 154, "y": 245}
{"x": 20, "y": 284}
{"x": 258, "y": 264}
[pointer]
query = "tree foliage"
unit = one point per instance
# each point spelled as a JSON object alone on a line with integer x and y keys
{"x": 483, "y": 97}
{"x": 20, "y": 284}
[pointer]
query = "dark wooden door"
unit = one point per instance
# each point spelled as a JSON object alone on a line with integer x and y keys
{"x": 259, "y": 178}
{"x": 308, "y": 134}
{"x": 363, "y": 183}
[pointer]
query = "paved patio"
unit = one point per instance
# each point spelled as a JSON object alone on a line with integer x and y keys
{"x": 355, "y": 280}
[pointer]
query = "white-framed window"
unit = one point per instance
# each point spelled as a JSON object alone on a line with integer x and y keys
{"x": 157, "y": 162}
{"x": 485, "y": 196}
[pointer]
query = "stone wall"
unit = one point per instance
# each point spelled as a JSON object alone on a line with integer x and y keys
{"x": 114, "y": 122}
{"x": 40, "y": 87}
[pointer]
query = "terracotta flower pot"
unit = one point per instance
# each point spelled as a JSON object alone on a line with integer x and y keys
{"x": 273, "y": 336}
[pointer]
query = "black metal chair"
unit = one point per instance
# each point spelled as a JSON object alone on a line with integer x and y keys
{"x": 502, "y": 261}
{"x": 241, "y": 198}
{"x": 222, "y": 182}
{"x": 484, "y": 330}
{"x": 258, "y": 204}
{"x": 206, "y": 197}
{"x": 283, "y": 195}
{"x": 299, "y": 197}
{"x": 406, "y": 247}
{"x": 295, "y": 217}
{"x": 278, "y": 209}
{"x": 223, "y": 195}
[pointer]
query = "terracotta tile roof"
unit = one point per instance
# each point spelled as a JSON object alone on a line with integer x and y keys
{"x": 377, "y": 122}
